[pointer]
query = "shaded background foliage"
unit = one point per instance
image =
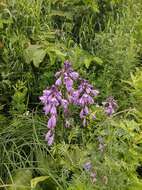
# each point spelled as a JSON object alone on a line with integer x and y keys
{"x": 103, "y": 41}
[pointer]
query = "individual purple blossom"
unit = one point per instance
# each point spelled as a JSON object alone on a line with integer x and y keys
{"x": 68, "y": 83}
{"x": 74, "y": 75}
{"x": 58, "y": 81}
{"x": 110, "y": 106}
{"x": 47, "y": 108}
{"x": 49, "y": 137}
{"x": 53, "y": 110}
{"x": 52, "y": 122}
{"x": 87, "y": 166}
{"x": 84, "y": 112}
{"x": 65, "y": 104}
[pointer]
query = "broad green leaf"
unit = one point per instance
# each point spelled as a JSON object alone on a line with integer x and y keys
{"x": 36, "y": 180}
{"x": 38, "y": 57}
{"x": 34, "y": 53}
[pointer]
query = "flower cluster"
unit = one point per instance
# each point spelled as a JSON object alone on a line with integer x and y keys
{"x": 110, "y": 106}
{"x": 53, "y": 97}
{"x": 84, "y": 97}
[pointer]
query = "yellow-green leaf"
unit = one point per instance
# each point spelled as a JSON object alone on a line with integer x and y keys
{"x": 36, "y": 180}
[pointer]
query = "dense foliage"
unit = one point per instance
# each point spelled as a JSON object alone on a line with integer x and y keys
{"x": 98, "y": 143}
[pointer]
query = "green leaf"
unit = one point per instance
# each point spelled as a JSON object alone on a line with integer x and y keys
{"x": 34, "y": 53}
{"x": 36, "y": 180}
{"x": 98, "y": 60}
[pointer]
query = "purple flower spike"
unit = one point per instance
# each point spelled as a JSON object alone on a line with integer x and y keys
{"x": 49, "y": 137}
{"x": 53, "y": 98}
{"x": 52, "y": 122}
{"x": 84, "y": 97}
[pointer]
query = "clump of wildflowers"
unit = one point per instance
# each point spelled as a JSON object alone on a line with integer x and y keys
{"x": 53, "y": 98}
{"x": 110, "y": 106}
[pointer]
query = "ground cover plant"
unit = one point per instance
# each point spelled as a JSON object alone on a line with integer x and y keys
{"x": 70, "y": 95}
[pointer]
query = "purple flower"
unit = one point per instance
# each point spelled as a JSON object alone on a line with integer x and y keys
{"x": 43, "y": 99}
{"x": 74, "y": 75}
{"x": 53, "y": 110}
{"x": 68, "y": 83}
{"x": 84, "y": 112}
{"x": 110, "y": 106}
{"x": 52, "y": 122}
{"x": 49, "y": 137}
{"x": 46, "y": 92}
{"x": 94, "y": 92}
{"x": 109, "y": 110}
{"x": 47, "y": 108}
{"x": 67, "y": 65}
{"x": 87, "y": 166}
{"x": 58, "y": 82}
{"x": 65, "y": 104}
{"x": 84, "y": 97}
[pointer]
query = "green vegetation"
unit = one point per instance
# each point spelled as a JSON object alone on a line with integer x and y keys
{"x": 103, "y": 41}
